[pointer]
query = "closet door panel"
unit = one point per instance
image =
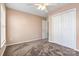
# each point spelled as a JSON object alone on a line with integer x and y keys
{"x": 57, "y": 29}
{"x": 72, "y": 27}
{"x": 65, "y": 30}
{"x": 60, "y": 29}
{"x": 68, "y": 32}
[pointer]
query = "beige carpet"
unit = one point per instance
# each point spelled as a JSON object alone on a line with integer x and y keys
{"x": 39, "y": 48}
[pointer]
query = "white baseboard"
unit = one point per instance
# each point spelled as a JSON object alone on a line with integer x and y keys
{"x": 66, "y": 46}
{"x": 22, "y": 42}
{"x": 76, "y": 50}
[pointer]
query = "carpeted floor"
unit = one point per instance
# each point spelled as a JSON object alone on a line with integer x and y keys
{"x": 39, "y": 48}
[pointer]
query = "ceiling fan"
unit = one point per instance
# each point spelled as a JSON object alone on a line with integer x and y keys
{"x": 43, "y": 6}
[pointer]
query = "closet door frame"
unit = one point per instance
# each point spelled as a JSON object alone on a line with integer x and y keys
{"x": 3, "y": 26}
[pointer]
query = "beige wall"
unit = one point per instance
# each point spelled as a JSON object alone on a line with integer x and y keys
{"x": 23, "y": 27}
{"x": 66, "y": 7}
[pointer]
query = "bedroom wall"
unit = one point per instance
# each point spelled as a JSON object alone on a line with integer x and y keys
{"x": 66, "y": 7}
{"x": 23, "y": 27}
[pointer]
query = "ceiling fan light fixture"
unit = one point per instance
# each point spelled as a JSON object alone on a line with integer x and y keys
{"x": 39, "y": 7}
{"x": 42, "y": 6}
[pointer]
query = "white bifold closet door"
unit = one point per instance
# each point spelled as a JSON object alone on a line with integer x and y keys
{"x": 64, "y": 28}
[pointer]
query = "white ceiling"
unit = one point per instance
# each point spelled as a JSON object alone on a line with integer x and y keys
{"x": 31, "y": 8}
